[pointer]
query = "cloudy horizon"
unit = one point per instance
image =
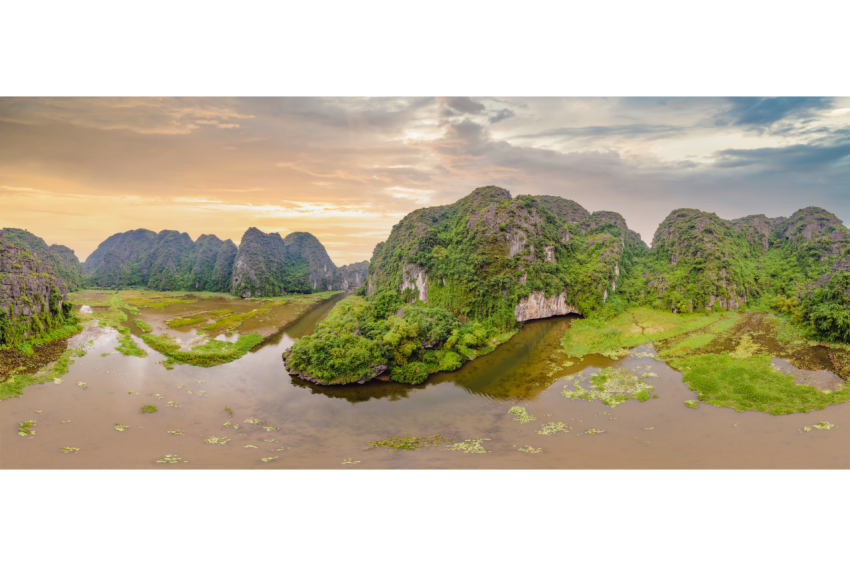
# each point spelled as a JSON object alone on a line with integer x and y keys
{"x": 74, "y": 171}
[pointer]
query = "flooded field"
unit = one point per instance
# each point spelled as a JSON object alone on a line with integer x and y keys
{"x": 503, "y": 410}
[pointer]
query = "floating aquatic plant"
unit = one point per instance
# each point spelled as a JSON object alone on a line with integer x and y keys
{"x": 350, "y": 461}
{"x": 692, "y": 404}
{"x": 520, "y": 414}
{"x": 552, "y": 428}
{"x": 270, "y": 458}
{"x": 593, "y": 431}
{"x": 408, "y": 442}
{"x": 157, "y": 395}
{"x": 133, "y": 393}
{"x": 270, "y": 440}
{"x": 226, "y": 424}
{"x": 249, "y": 446}
{"x": 256, "y": 421}
{"x": 612, "y": 386}
{"x": 24, "y": 428}
{"x": 472, "y": 446}
{"x": 824, "y": 425}
{"x": 531, "y": 450}
{"x": 270, "y": 428}
{"x": 170, "y": 459}
{"x": 68, "y": 449}
{"x": 173, "y": 404}
{"x": 121, "y": 428}
{"x": 217, "y": 440}
{"x": 228, "y": 409}
{"x": 175, "y": 432}
{"x": 148, "y": 409}
{"x": 82, "y": 384}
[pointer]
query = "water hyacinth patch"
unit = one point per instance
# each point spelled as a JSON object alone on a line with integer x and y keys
{"x": 82, "y": 384}
{"x": 173, "y": 404}
{"x": 170, "y": 459}
{"x": 229, "y": 410}
{"x": 531, "y": 450}
{"x": 120, "y": 427}
{"x": 520, "y": 414}
{"x": 824, "y": 425}
{"x": 270, "y": 458}
{"x": 133, "y": 393}
{"x": 612, "y": 386}
{"x": 408, "y": 442}
{"x": 255, "y": 421}
{"x": 249, "y": 446}
{"x": 175, "y": 432}
{"x": 553, "y": 428}
{"x": 350, "y": 461}
{"x": 692, "y": 404}
{"x": 69, "y": 449}
{"x": 593, "y": 431}
{"x": 217, "y": 440}
{"x": 472, "y": 446}
{"x": 24, "y": 428}
{"x": 148, "y": 409}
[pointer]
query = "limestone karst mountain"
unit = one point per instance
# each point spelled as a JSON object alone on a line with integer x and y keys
{"x": 262, "y": 265}
{"x": 33, "y": 300}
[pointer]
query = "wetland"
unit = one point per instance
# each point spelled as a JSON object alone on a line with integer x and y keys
{"x": 563, "y": 392}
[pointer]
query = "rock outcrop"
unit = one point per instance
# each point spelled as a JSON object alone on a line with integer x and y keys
{"x": 32, "y": 299}
{"x": 60, "y": 259}
{"x": 537, "y": 305}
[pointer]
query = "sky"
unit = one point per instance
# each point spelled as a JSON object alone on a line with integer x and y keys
{"x": 74, "y": 171}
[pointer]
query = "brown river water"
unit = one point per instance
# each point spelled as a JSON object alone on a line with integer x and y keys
{"x": 323, "y": 427}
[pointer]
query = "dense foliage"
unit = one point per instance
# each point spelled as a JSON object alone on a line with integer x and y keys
{"x": 412, "y": 341}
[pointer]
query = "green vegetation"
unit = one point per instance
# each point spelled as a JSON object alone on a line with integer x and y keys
{"x": 148, "y": 409}
{"x": 169, "y": 459}
{"x": 751, "y": 384}
{"x": 360, "y": 338}
{"x": 613, "y": 336}
{"x": 180, "y": 322}
{"x": 69, "y": 449}
{"x": 25, "y": 428}
{"x": 217, "y": 440}
{"x": 409, "y": 442}
{"x": 211, "y": 353}
{"x": 692, "y": 404}
{"x": 521, "y": 414}
{"x": 143, "y": 326}
{"x": 612, "y": 386}
{"x": 530, "y": 450}
{"x": 553, "y": 428}
{"x": 230, "y": 323}
{"x": 128, "y": 347}
{"x": 121, "y": 428}
{"x": 824, "y": 425}
{"x": 473, "y": 446}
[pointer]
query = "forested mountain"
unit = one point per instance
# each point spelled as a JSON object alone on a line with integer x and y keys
{"x": 262, "y": 265}
{"x": 453, "y": 281}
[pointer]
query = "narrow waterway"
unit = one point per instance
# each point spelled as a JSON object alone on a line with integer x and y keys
{"x": 323, "y": 427}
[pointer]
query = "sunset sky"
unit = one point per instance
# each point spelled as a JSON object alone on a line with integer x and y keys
{"x": 75, "y": 171}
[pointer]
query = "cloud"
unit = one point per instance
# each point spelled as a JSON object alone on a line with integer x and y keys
{"x": 763, "y": 112}
{"x": 798, "y": 157}
{"x": 502, "y": 114}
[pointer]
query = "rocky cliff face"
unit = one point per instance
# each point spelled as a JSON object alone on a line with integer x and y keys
{"x": 60, "y": 259}
{"x": 491, "y": 256}
{"x": 32, "y": 299}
